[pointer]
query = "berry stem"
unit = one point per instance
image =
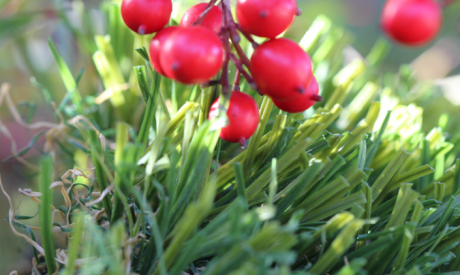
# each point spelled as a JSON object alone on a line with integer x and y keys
{"x": 248, "y": 36}
{"x": 235, "y": 38}
{"x": 246, "y": 75}
{"x": 446, "y": 3}
{"x": 226, "y": 40}
{"x": 236, "y": 83}
{"x": 229, "y": 32}
{"x": 231, "y": 25}
{"x": 244, "y": 59}
{"x": 205, "y": 13}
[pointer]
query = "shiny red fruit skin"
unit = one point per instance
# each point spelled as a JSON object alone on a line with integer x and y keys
{"x": 146, "y": 16}
{"x": 412, "y": 22}
{"x": 192, "y": 55}
{"x": 212, "y": 21}
{"x": 156, "y": 45}
{"x": 301, "y": 103}
{"x": 265, "y": 18}
{"x": 281, "y": 69}
{"x": 243, "y": 117}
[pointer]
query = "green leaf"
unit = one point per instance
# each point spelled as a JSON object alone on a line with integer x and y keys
{"x": 320, "y": 25}
{"x": 378, "y": 52}
{"x": 46, "y": 93}
{"x": 149, "y": 114}
{"x": 248, "y": 161}
{"x": 335, "y": 207}
{"x": 378, "y": 139}
{"x": 273, "y": 184}
{"x": 200, "y": 154}
{"x": 406, "y": 198}
{"x": 456, "y": 185}
{"x": 240, "y": 185}
{"x": 67, "y": 78}
{"x": 29, "y": 146}
{"x": 142, "y": 80}
{"x": 338, "y": 247}
{"x": 30, "y": 231}
{"x": 186, "y": 226}
{"x": 46, "y": 171}
{"x": 74, "y": 246}
{"x": 398, "y": 160}
{"x": 362, "y": 153}
{"x": 410, "y": 175}
{"x": 446, "y": 215}
{"x": 284, "y": 161}
{"x": 295, "y": 188}
{"x": 370, "y": 249}
{"x": 404, "y": 251}
{"x": 97, "y": 156}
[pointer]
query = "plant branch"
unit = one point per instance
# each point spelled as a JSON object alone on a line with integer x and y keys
{"x": 235, "y": 38}
{"x": 231, "y": 25}
{"x": 236, "y": 83}
{"x": 226, "y": 40}
{"x": 246, "y": 75}
{"x": 203, "y": 15}
{"x": 447, "y": 3}
{"x": 244, "y": 59}
{"x": 229, "y": 32}
{"x": 248, "y": 36}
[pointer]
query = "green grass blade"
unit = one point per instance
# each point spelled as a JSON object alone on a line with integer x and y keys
{"x": 97, "y": 153}
{"x": 456, "y": 185}
{"x": 341, "y": 243}
{"x": 142, "y": 80}
{"x": 74, "y": 246}
{"x": 362, "y": 153}
{"x": 398, "y": 160}
{"x": 302, "y": 183}
{"x": 406, "y": 198}
{"x": 248, "y": 161}
{"x": 378, "y": 140}
{"x": 67, "y": 78}
{"x": 273, "y": 184}
{"x": 46, "y": 178}
{"x": 240, "y": 185}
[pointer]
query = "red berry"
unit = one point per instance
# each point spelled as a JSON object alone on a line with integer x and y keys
{"x": 302, "y": 102}
{"x": 192, "y": 55}
{"x": 412, "y": 22}
{"x": 146, "y": 16}
{"x": 213, "y": 20}
{"x": 281, "y": 69}
{"x": 156, "y": 44}
{"x": 266, "y": 18}
{"x": 243, "y": 117}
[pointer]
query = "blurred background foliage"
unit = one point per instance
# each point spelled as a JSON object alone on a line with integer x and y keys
{"x": 28, "y": 65}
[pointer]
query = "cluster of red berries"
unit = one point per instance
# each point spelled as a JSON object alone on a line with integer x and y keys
{"x": 412, "y": 22}
{"x": 186, "y": 53}
{"x": 195, "y": 51}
